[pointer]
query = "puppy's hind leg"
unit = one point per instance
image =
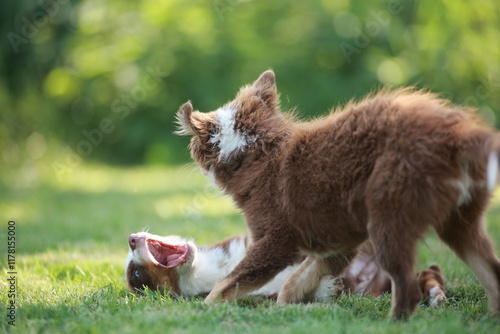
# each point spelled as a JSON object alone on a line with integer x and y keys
{"x": 395, "y": 254}
{"x": 304, "y": 283}
{"x": 263, "y": 261}
{"x": 466, "y": 235}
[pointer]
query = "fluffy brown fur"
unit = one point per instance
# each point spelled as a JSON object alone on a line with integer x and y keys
{"x": 384, "y": 170}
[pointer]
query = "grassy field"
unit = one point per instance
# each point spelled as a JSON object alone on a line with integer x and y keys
{"x": 71, "y": 243}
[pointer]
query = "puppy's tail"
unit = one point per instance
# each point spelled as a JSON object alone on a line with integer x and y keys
{"x": 492, "y": 171}
{"x": 481, "y": 151}
{"x": 491, "y": 151}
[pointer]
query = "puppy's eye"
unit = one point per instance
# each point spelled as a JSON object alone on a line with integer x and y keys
{"x": 137, "y": 273}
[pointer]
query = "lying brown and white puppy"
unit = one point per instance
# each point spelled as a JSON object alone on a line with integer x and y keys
{"x": 386, "y": 170}
{"x": 180, "y": 267}
{"x": 176, "y": 265}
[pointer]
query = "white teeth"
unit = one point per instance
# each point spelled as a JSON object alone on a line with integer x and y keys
{"x": 228, "y": 139}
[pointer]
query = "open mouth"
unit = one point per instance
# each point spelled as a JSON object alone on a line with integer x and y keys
{"x": 167, "y": 255}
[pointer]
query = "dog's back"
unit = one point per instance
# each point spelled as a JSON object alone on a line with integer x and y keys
{"x": 400, "y": 162}
{"x": 402, "y": 151}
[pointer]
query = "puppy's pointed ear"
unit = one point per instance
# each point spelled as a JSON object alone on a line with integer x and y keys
{"x": 184, "y": 122}
{"x": 193, "y": 123}
{"x": 266, "y": 80}
{"x": 265, "y": 88}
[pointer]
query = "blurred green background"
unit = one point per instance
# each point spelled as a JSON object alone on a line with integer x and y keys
{"x": 88, "y": 94}
{"x": 100, "y": 80}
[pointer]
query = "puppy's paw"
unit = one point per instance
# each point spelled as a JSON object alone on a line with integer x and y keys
{"x": 329, "y": 288}
{"x": 432, "y": 283}
{"x": 436, "y": 296}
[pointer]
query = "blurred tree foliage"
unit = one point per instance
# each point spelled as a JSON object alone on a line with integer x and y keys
{"x": 102, "y": 79}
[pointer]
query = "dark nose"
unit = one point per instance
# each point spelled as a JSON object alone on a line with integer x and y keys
{"x": 132, "y": 242}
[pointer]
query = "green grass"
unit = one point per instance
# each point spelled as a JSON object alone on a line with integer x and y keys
{"x": 72, "y": 243}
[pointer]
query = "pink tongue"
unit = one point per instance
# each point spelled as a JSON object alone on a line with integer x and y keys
{"x": 175, "y": 259}
{"x": 169, "y": 256}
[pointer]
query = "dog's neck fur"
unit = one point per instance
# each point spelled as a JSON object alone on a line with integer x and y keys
{"x": 209, "y": 266}
{"x": 262, "y": 152}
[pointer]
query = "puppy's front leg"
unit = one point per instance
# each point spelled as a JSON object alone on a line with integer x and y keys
{"x": 263, "y": 261}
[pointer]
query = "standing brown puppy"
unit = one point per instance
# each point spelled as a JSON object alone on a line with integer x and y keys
{"x": 384, "y": 169}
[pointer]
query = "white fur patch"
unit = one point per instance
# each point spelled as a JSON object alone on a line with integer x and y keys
{"x": 492, "y": 171}
{"x": 228, "y": 139}
{"x": 183, "y": 127}
{"x": 329, "y": 288}
{"x": 274, "y": 286}
{"x": 436, "y": 296}
{"x": 129, "y": 259}
{"x": 464, "y": 186}
{"x": 213, "y": 264}
{"x": 303, "y": 281}
{"x": 209, "y": 267}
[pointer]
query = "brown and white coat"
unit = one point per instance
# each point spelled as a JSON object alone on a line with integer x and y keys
{"x": 178, "y": 266}
{"x": 383, "y": 170}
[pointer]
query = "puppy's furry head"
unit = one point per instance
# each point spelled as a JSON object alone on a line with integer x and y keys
{"x": 222, "y": 138}
{"x": 157, "y": 262}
